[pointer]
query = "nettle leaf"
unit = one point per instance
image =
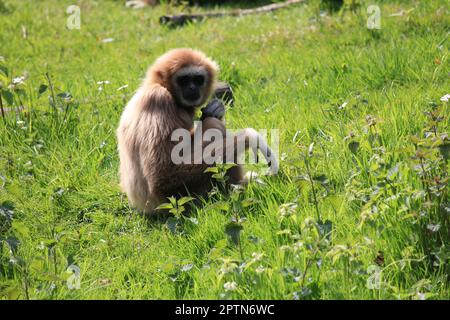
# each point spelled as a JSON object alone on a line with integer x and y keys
{"x": 445, "y": 150}
{"x": 173, "y": 201}
{"x": 13, "y": 244}
{"x": 6, "y": 215}
{"x": 21, "y": 229}
{"x": 8, "y": 97}
{"x": 177, "y": 211}
{"x": 249, "y": 202}
{"x": 325, "y": 228}
{"x": 65, "y": 95}
{"x": 302, "y": 177}
{"x": 310, "y": 292}
{"x": 322, "y": 179}
{"x": 220, "y": 205}
{"x": 193, "y": 220}
{"x": 10, "y": 290}
{"x": 20, "y": 92}
{"x": 49, "y": 243}
{"x": 167, "y": 266}
{"x": 181, "y": 210}
{"x": 336, "y": 201}
{"x": 42, "y": 88}
{"x": 212, "y": 170}
{"x": 70, "y": 259}
{"x": 414, "y": 139}
{"x": 228, "y": 166}
{"x": 172, "y": 224}
{"x": 393, "y": 173}
{"x": 233, "y": 230}
{"x": 37, "y": 265}
{"x": 164, "y": 206}
{"x": 353, "y": 146}
{"x": 217, "y": 176}
{"x": 4, "y": 70}
{"x": 254, "y": 239}
{"x": 187, "y": 267}
{"x": 184, "y": 200}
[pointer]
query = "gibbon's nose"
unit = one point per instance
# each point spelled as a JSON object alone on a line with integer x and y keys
{"x": 192, "y": 94}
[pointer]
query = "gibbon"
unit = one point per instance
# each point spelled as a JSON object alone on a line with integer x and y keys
{"x": 175, "y": 85}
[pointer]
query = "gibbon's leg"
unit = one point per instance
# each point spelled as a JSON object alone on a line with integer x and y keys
{"x": 191, "y": 179}
{"x": 249, "y": 138}
{"x": 234, "y": 146}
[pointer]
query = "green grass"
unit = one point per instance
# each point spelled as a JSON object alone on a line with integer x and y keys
{"x": 290, "y": 70}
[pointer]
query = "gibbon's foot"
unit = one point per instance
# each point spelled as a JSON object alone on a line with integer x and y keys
{"x": 224, "y": 92}
{"x": 215, "y": 109}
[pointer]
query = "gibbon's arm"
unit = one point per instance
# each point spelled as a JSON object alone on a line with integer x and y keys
{"x": 156, "y": 120}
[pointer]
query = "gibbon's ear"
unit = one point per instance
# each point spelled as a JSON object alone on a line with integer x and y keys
{"x": 160, "y": 76}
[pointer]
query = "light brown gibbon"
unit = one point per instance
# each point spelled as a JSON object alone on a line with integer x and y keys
{"x": 175, "y": 85}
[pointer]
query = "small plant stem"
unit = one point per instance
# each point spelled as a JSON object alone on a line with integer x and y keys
{"x": 54, "y": 261}
{"x": 65, "y": 113}
{"x": 308, "y": 265}
{"x": 2, "y": 110}
{"x": 25, "y": 282}
{"x": 313, "y": 190}
{"x": 241, "y": 251}
{"x": 424, "y": 179}
{"x": 50, "y": 85}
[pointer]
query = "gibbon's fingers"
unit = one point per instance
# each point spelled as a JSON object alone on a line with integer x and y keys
{"x": 215, "y": 109}
{"x": 224, "y": 92}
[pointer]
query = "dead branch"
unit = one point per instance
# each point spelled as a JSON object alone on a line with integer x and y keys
{"x": 181, "y": 19}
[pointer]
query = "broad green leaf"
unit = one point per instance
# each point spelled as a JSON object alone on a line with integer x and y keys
{"x": 173, "y": 201}
{"x": 8, "y": 97}
{"x": 42, "y": 88}
{"x": 220, "y": 205}
{"x": 184, "y": 200}
{"x": 212, "y": 170}
{"x": 20, "y": 229}
{"x": 353, "y": 146}
{"x": 171, "y": 224}
{"x": 164, "y": 206}
{"x": 249, "y": 202}
{"x": 233, "y": 230}
{"x": 4, "y": 70}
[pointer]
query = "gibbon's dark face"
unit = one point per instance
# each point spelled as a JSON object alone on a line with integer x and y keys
{"x": 190, "y": 85}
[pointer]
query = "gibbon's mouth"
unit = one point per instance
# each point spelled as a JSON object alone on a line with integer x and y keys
{"x": 191, "y": 97}
{"x": 192, "y": 100}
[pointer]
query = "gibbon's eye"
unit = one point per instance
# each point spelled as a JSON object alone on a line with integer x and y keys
{"x": 183, "y": 80}
{"x": 198, "y": 80}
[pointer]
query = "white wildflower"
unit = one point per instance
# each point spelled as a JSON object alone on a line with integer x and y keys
{"x": 257, "y": 256}
{"x": 342, "y": 106}
{"x": 18, "y": 80}
{"x": 288, "y": 209}
{"x": 260, "y": 269}
{"x": 445, "y": 98}
{"x": 230, "y": 286}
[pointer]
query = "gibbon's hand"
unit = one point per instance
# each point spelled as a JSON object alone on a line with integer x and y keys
{"x": 214, "y": 108}
{"x": 224, "y": 92}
